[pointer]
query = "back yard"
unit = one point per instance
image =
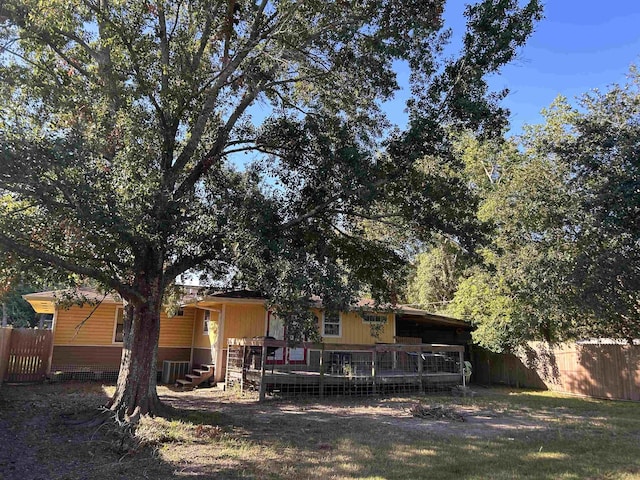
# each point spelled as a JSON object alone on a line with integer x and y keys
{"x": 213, "y": 434}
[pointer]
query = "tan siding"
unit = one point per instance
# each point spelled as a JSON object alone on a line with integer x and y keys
{"x": 355, "y": 331}
{"x": 244, "y": 321}
{"x": 199, "y": 339}
{"x": 177, "y": 331}
{"x": 97, "y": 329}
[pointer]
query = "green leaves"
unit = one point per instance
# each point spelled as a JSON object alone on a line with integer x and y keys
{"x": 563, "y": 261}
{"x": 122, "y": 121}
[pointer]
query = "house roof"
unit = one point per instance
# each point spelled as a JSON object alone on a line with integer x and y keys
{"x": 236, "y": 294}
{"x": 406, "y": 311}
{"x": 45, "y": 302}
{"x": 91, "y": 294}
{"x": 418, "y": 315}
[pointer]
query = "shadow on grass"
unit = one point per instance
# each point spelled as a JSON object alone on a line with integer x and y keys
{"x": 44, "y": 436}
{"x": 211, "y": 435}
{"x": 356, "y": 438}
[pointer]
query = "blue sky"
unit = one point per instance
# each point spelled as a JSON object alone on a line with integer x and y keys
{"x": 578, "y": 46}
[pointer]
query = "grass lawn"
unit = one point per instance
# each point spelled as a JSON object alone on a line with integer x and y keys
{"x": 211, "y": 434}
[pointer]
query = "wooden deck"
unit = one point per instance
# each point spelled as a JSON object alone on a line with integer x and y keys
{"x": 347, "y": 369}
{"x": 282, "y": 381}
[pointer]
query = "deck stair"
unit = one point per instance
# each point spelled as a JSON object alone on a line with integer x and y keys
{"x": 197, "y": 377}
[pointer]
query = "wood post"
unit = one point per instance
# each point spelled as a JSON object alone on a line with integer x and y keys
{"x": 374, "y": 369}
{"x": 5, "y": 342}
{"x": 321, "y": 380}
{"x": 263, "y": 362}
{"x": 464, "y": 380}
{"x": 220, "y": 344}
{"x": 243, "y": 368}
{"x": 420, "y": 370}
{"x": 54, "y": 322}
{"x": 227, "y": 370}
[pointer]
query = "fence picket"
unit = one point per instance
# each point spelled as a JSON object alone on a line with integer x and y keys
{"x": 604, "y": 369}
{"x": 28, "y": 355}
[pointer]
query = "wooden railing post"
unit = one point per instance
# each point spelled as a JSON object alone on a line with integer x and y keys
{"x": 243, "y": 368}
{"x": 263, "y": 362}
{"x": 227, "y": 372}
{"x": 464, "y": 380}
{"x": 321, "y": 380}
{"x": 374, "y": 369}
{"x": 420, "y": 369}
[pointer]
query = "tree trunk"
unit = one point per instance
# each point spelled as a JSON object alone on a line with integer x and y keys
{"x": 136, "y": 393}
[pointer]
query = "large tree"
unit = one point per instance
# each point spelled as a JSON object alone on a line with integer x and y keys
{"x": 601, "y": 153}
{"x": 563, "y": 263}
{"x": 122, "y": 125}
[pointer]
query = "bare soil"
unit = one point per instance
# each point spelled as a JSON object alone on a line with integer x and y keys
{"x": 374, "y": 413}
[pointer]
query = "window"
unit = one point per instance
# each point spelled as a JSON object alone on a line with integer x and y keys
{"x": 118, "y": 331}
{"x": 46, "y": 321}
{"x": 205, "y": 323}
{"x": 331, "y": 326}
{"x": 180, "y": 312}
{"x": 374, "y": 319}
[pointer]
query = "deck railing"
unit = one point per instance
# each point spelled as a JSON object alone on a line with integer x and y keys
{"x": 271, "y": 366}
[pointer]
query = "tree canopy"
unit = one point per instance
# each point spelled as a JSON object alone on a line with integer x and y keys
{"x": 563, "y": 262}
{"x": 122, "y": 123}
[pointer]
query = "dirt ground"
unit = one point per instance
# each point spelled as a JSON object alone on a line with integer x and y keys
{"x": 376, "y": 412}
{"x": 40, "y": 438}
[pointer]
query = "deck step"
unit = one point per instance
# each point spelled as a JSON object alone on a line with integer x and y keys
{"x": 197, "y": 377}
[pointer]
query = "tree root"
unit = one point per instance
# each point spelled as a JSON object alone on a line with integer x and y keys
{"x": 87, "y": 419}
{"x": 119, "y": 434}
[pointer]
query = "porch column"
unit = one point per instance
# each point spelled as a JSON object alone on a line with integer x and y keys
{"x": 54, "y": 324}
{"x": 220, "y": 360}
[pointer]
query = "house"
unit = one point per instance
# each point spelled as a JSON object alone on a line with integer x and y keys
{"x": 88, "y": 337}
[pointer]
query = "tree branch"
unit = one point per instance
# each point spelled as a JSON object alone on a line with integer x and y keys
{"x": 57, "y": 262}
{"x": 215, "y": 153}
{"x": 185, "y": 264}
{"x": 324, "y": 206}
{"x": 198, "y": 127}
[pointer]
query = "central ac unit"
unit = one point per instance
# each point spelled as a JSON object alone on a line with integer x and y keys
{"x": 172, "y": 370}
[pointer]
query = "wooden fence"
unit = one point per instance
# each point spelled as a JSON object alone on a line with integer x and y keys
{"x": 5, "y": 339}
{"x": 594, "y": 369}
{"x": 24, "y": 354}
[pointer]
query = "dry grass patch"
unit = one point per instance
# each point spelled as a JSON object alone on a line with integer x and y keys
{"x": 211, "y": 434}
